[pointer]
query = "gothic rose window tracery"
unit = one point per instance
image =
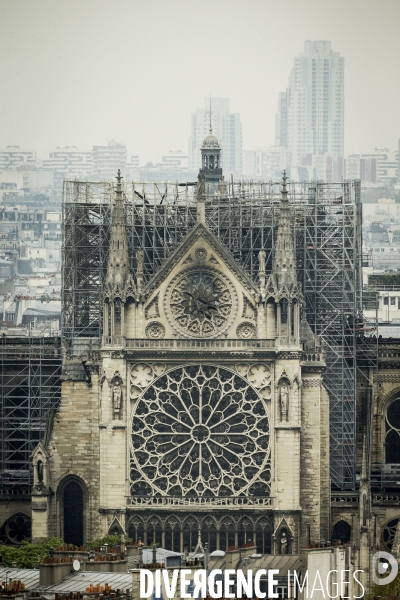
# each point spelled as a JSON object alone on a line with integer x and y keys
{"x": 200, "y": 302}
{"x": 200, "y": 431}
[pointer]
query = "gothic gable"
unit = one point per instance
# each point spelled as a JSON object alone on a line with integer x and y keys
{"x": 200, "y": 292}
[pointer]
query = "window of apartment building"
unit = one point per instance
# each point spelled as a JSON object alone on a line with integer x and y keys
{"x": 386, "y": 300}
{"x": 392, "y": 301}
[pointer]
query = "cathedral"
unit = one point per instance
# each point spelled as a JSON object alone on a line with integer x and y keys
{"x": 204, "y": 409}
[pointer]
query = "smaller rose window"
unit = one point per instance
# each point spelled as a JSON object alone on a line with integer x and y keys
{"x": 200, "y": 302}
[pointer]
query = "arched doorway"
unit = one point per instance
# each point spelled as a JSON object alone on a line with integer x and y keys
{"x": 73, "y": 513}
{"x": 341, "y": 532}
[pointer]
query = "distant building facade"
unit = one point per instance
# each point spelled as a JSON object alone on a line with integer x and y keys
{"x": 310, "y": 117}
{"x": 266, "y": 162}
{"x": 14, "y": 156}
{"x": 108, "y": 159}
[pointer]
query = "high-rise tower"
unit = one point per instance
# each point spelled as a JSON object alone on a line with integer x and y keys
{"x": 310, "y": 117}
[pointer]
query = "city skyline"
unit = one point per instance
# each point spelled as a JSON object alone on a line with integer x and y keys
{"x": 142, "y": 90}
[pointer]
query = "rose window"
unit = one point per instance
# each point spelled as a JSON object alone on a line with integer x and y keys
{"x": 200, "y": 431}
{"x": 200, "y": 302}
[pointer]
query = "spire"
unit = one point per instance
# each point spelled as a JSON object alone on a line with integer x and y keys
{"x": 284, "y": 264}
{"x": 199, "y": 547}
{"x": 118, "y": 260}
{"x": 210, "y": 130}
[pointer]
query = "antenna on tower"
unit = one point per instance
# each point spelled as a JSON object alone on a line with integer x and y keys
{"x": 210, "y": 113}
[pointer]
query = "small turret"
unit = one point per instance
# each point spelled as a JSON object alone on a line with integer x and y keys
{"x": 211, "y": 169}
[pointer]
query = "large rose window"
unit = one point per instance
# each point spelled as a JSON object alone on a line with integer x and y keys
{"x": 200, "y": 431}
{"x": 200, "y": 302}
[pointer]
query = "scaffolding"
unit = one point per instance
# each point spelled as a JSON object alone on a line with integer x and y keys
{"x": 30, "y": 371}
{"x": 244, "y": 216}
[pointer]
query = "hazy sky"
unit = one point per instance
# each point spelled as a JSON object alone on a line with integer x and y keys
{"x": 79, "y": 72}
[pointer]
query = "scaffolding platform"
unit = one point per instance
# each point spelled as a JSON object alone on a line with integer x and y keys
{"x": 30, "y": 371}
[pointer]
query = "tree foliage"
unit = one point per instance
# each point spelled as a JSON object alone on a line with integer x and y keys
{"x": 28, "y": 555}
{"x": 391, "y": 591}
{"x": 110, "y": 540}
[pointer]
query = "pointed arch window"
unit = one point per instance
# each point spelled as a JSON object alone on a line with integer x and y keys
{"x": 341, "y": 532}
{"x": 73, "y": 513}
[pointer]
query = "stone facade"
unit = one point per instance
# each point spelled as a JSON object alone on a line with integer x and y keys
{"x": 204, "y": 408}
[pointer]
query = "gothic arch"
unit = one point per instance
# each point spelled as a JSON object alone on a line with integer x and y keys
{"x": 245, "y": 529}
{"x": 341, "y": 531}
{"x": 116, "y": 527}
{"x": 263, "y": 529}
{"x": 153, "y": 530}
{"x": 227, "y": 533}
{"x": 340, "y": 518}
{"x": 172, "y": 533}
{"x": 384, "y": 402}
{"x": 209, "y": 529}
{"x": 135, "y": 528}
{"x": 190, "y": 529}
{"x": 283, "y": 537}
{"x": 73, "y": 498}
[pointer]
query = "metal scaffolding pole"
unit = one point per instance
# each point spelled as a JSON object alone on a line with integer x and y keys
{"x": 30, "y": 370}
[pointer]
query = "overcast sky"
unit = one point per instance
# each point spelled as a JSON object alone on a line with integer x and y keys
{"x": 79, "y": 72}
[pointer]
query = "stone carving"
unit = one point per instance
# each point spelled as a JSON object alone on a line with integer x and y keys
{"x": 135, "y": 392}
{"x": 246, "y": 330}
{"x": 158, "y": 368}
{"x": 139, "y": 260}
{"x": 117, "y": 398}
{"x": 389, "y": 533}
{"x": 284, "y": 543}
{"x": 213, "y": 260}
{"x": 242, "y": 368}
{"x": 200, "y": 302}
{"x": 200, "y": 253}
{"x": 266, "y": 392}
{"x": 152, "y": 310}
{"x": 248, "y": 310}
{"x": 201, "y": 187}
{"x": 261, "y": 261}
{"x": 390, "y": 378}
{"x": 218, "y": 448}
{"x": 259, "y": 375}
{"x": 311, "y": 382}
{"x": 39, "y": 471}
{"x": 141, "y": 375}
{"x": 155, "y": 330}
{"x": 284, "y": 400}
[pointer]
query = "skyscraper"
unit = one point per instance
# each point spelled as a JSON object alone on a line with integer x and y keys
{"x": 310, "y": 117}
{"x": 226, "y": 126}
